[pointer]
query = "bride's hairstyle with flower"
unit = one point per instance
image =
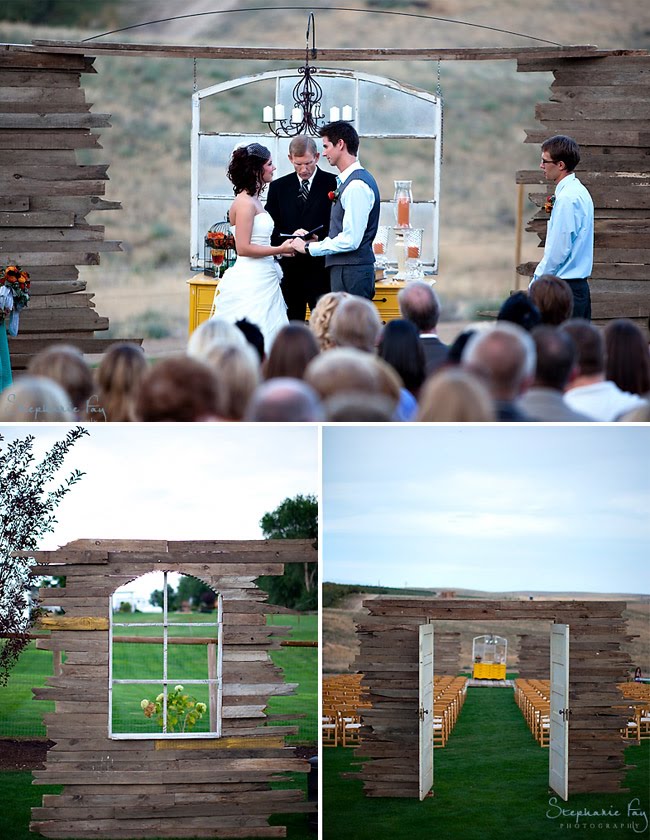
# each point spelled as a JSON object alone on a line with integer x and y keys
{"x": 246, "y": 167}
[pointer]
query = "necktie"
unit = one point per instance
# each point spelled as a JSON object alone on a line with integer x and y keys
{"x": 304, "y": 190}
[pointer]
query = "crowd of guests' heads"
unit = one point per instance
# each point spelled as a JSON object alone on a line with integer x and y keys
{"x": 346, "y": 366}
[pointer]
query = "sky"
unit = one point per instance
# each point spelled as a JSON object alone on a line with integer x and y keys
{"x": 495, "y": 508}
{"x": 177, "y": 482}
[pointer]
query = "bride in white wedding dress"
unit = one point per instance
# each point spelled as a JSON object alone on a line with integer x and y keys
{"x": 251, "y": 287}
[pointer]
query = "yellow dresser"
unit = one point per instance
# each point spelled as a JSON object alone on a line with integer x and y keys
{"x": 202, "y": 294}
{"x": 489, "y": 671}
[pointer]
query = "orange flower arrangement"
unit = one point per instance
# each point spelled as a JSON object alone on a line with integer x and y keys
{"x": 219, "y": 239}
{"x": 17, "y": 282}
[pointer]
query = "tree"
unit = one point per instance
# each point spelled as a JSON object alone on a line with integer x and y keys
{"x": 156, "y": 599}
{"x": 294, "y": 519}
{"x": 26, "y": 514}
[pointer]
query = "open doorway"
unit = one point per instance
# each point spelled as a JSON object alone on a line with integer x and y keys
{"x": 492, "y": 647}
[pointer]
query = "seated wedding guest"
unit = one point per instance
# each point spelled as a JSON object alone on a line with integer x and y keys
{"x": 349, "y": 370}
{"x": 343, "y": 370}
{"x": 556, "y": 364}
{"x": 65, "y": 365}
{"x": 356, "y": 323}
{"x": 554, "y": 299}
{"x": 284, "y": 400}
{"x": 628, "y": 360}
{"x": 419, "y": 304}
{"x": 321, "y": 316}
{"x": 210, "y": 332}
{"x": 453, "y": 395}
{"x": 118, "y": 380}
{"x": 505, "y": 355}
{"x": 519, "y": 309}
{"x": 293, "y": 348}
{"x": 253, "y": 335}
{"x": 455, "y": 349}
{"x": 356, "y": 407}
{"x": 238, "y": 370}
{"x": 179, "y": 389}
{"x": 35, "y": 399}
{"x": 589, "y": 392}
{"x": 401, "y": 348}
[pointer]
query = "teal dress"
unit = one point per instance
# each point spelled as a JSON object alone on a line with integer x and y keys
{"x": 5, "y": 362}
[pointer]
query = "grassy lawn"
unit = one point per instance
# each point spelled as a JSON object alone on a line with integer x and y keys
{"x": 21, "y": 715}
{"x": 490, "y": 782}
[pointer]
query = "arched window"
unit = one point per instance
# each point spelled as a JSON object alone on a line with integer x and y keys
{"x": 165, "y": 658}
{"x": 384, "y": 112}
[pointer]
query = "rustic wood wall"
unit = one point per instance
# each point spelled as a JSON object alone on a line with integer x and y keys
{"x": 604, "y": 104}
{"x": 46, "y": 197}
{"x": 534, "y": 652}
{"x": 165, "y": 788}
{"x": 388, "y": 659}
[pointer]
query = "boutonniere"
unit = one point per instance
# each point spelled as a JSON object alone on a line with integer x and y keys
{"x": 548, "y": 204}
{"x": 333, "y": 195}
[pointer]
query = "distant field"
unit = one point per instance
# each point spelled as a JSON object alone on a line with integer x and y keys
{"x": 21, "y": 715}
{"x": 487, "y": 106}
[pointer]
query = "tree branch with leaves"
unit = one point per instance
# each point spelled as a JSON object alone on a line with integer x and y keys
{"x": 27, "y": 513}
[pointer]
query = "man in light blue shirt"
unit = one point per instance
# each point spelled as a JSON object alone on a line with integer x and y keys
{"x": 569, "y": 248}
{"x": 354, "y": 218}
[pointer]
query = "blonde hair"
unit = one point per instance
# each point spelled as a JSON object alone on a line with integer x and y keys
{"x": 211, "y": 332}
{"x": 455, "y": 396}
{"x": 238, "y": 371}
{"x": 319, "y": 322}
{"x": 35, "y": 399}
{"x": 118, "y": 379}
{"x": 66, "y": 366}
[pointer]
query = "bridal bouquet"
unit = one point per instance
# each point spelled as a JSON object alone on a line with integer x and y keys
{"x": 14, "y": 295}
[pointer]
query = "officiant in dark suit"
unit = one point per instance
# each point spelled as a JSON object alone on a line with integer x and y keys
{"x": 296, "y": 201}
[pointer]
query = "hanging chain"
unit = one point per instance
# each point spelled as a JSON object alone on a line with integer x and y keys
{"x": 194, "y": 85}
{"x": 442, "y": 113}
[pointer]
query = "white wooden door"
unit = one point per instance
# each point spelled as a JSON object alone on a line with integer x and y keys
{"x": 425, "y": 710}
{"x": 558, "y": 777}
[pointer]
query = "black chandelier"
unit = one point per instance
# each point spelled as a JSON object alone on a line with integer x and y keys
{"x": 307, "y": 115}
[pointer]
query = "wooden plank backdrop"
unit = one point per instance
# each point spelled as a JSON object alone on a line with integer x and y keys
{"x": 604, "y": 103}
{"x": 45, "y": 197}
{"x": 388, "y": 659}
{"x": 600, "y": 97}
{"x": 165, "y": 788}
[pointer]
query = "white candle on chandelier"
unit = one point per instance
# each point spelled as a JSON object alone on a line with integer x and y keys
{"x": 335, "y": 114}
{"x": 267, "y": 114}
{"x": 346, "y": 113}
{"x": 296, "y": 116}
{"x": 279, "y": 112}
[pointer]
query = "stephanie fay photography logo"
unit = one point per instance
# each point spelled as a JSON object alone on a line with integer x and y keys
{"x": 630, "y": 818}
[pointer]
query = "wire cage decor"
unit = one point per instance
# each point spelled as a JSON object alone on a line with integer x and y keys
{"x": 220, "y": 251}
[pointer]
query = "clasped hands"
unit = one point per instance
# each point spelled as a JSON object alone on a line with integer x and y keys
{"x": 297, "y": 245}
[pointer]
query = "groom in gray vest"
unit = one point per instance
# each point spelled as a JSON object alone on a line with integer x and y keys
{"x": 354, "y": 217}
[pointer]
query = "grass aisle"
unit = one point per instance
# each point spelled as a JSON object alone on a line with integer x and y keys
{"x": 491, "y": 783}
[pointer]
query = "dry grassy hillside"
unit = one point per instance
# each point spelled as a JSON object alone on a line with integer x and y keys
{"x": 487, "y": 106}
{"x": 340, "y": 644}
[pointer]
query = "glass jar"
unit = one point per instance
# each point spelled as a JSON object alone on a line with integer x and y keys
{"x": 403, "y": 199}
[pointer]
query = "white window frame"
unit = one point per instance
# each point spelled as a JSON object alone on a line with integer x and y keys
{"x": 167, "y": 680}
